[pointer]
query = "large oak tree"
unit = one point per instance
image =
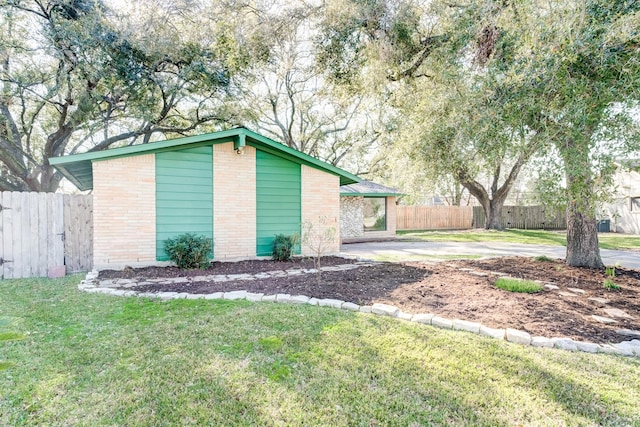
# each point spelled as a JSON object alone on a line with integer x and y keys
{"x": 438, "y": 65}
{"x": 75, "y": 76}
{"x": 576, "y": 68}
{"x": 534, "y": 73}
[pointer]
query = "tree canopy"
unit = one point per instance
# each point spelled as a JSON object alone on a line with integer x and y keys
{"x": 73, "y": 80}
{"x": 441, "y": 68}
{"x": 576, "y": 77}
{"x": 504, "y": 79}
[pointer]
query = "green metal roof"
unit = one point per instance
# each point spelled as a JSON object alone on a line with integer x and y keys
{"x": 78, "y": 168}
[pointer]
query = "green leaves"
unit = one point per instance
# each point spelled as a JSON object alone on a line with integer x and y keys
{"x": 189, "y": 250}
{"x": 283, "y": 246}
{"x": 102, "y": 79}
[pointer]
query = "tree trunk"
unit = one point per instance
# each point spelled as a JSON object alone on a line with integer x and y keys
{"x": 492, "y": 207}
{"x": 493, "y": 204}
{"x": 49, "y": 178}
{"x": 493, "y": 215}
{"x": 582, "y": 231}
{"x": 582, "y": 239}
{"x": 457, "y": 196}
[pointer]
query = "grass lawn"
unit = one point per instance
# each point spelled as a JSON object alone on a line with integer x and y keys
{"x": 518, "y": 285}
{"x": 96, "y": 360}
{"x": 533, "y": 237}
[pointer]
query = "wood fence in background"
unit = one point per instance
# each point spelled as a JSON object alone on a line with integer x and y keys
{"x": 525, "y": 218}
{"x": 434, "y": 217}
{"x": 44, "y": 231}
{"x": 465, "y": 217}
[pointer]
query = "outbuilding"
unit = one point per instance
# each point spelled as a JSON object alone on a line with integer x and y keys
{"x": 237, "y": 187}
{"x": 367, "y": 211}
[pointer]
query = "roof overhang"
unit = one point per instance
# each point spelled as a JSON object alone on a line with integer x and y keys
{"x": 366, "y": 188}
{"x": 371, "y": 194}
{"x": 78, "y": 168}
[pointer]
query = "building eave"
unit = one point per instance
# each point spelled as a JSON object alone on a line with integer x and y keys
{"x": 78, "y": 169}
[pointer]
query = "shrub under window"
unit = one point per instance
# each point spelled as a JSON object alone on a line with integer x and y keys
{"x": 283, "y": 246}
{"x": 189, "y": 250}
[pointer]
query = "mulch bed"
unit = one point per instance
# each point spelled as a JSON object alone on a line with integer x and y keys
{"x": 447, "y": 289}
{"x": 217, "y": 267}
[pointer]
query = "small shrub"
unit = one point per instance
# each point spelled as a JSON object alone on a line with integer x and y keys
{"x": 318, "y": 238}
{"x": 610, "y": 284}
{"x": 517, "y": 285}
{"x": 189, "y": 250}
{"x": 543, "y": 258}
{"x": 610, "y": 271}
{"x": 283, "y": 246}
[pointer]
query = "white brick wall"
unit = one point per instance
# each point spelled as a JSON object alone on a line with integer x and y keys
{"x": 234, "y": 202}
{"x": 321, "y": 206}
{"x": 124, "y": 211}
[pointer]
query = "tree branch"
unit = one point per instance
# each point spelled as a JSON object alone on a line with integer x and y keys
{"x": 429, "y": 45}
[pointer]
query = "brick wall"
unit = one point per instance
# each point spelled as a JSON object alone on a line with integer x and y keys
{"x": 124, "y": 211}
{"x": 320, "y": 207}
{"x": 234, "y": 202}
{"x": 392, "y": 215}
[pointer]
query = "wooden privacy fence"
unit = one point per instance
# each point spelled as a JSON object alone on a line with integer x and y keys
{"x": 434, "y": 217}
{"x": 525, "y": 218}
{"x": 41, "y": 233}
{"x": 465, "y": 217}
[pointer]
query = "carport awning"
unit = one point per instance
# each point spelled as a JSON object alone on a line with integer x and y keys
{"x": 369, "y": 189}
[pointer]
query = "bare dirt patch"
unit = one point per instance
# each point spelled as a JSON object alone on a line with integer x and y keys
{"x": 455, "y": 289}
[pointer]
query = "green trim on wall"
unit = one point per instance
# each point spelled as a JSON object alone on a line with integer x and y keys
{"x": 278, "y": 200}
{"x": 184, "y": 194}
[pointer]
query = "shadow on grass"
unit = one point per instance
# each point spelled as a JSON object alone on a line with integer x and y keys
{"x": 541, "y": 237}
{"x": 445, "y": 377}
{"x": 100, "y": 360}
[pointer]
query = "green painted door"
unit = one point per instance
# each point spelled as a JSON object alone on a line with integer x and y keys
{"x": 278, "y": 200}
{"x": 184, "y": 194}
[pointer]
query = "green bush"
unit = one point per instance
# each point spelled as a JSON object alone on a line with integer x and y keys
{"x": 517, "y": 285}
{"x": 610, "y": 271}
{"x": 283, "y": 246}
{"x": 610, "y": 284}
{"x": 189, "y": 250}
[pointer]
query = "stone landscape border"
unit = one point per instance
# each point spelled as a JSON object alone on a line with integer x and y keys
{"x": 91, "y": 284}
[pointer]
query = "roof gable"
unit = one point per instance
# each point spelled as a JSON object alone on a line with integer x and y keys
{"x": 78, "y": 168}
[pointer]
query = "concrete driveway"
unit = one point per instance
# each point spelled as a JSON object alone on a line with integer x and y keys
{"x": 399, "y": 249}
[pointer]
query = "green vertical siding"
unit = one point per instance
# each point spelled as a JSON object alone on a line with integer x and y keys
{"x": 278, "y": 199}
{"x": 184, "y": 194}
